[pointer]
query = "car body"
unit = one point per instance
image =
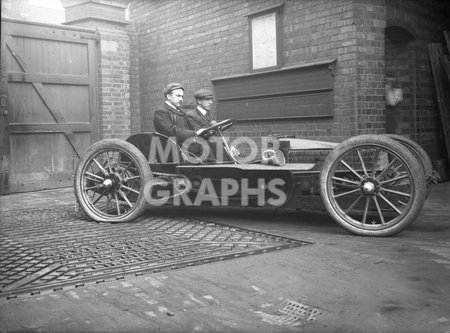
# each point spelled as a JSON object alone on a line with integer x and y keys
{"x": 371, "y": 185}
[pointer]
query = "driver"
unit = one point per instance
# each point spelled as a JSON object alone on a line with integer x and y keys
{"x": 201, "y": 116}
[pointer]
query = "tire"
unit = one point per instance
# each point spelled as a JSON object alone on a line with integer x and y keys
{"x": 372, "y": 185}
{"x": 110, "y": 180}
{"x": 421, "y": 156}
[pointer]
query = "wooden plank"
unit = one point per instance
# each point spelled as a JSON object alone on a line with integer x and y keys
{"x": 50, "y": 57}
{"x": 48, "y": 78}
{"x": 49, "y": 33}
{"x": 291, "y": 81}
{"x": 25, "y": 182}
{"x": 26, "y": 105}
{"x": 16, "y": 128}
{"x": 445, "y": 63}
{"x": 447, "y": 40}
{"x": 276, "y": 107}
{"x": 4, "y": 115}
{"x": 445, "y": 60}
{"x": 27, "y": 156}
{"x": 296, "y": 92}
{"x": 41, "y": 161}
{"x": 441, "y": 84}
{"x": 15, "y": 26}
{"x": 42, "y": 92}
{"x": 93, "y": 100}
{"x": 278, "y": 95}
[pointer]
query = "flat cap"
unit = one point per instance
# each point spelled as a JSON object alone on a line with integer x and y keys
{"x": 203, "y": 94}
{"x": 171, "y": 87}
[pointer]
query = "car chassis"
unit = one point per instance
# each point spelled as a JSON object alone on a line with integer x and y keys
{"x": 371, "y": 185}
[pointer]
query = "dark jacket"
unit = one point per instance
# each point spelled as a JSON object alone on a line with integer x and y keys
{"x": 172, "y": 123}
{"x": 197, "y": 120}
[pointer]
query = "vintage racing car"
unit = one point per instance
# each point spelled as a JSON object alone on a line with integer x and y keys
{"x": 371, "y": 185}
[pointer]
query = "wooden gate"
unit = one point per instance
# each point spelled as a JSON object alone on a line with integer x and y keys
{"x": 49, "y": 103}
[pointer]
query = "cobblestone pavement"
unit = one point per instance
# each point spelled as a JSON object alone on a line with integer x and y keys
{"x": 338, "y": 283}
{"x": 52, "y": 249}
{"x": 38, "y": 199}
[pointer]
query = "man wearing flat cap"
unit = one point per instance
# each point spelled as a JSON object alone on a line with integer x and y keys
{"x": 169, "y": 119}
{"x": 200, "y": 117}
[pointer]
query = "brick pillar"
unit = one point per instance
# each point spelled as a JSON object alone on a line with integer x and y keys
{"x": 113, "y": 60}
{"x": 370, "y": 21}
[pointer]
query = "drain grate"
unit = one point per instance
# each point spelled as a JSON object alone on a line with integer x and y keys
{"x": 293, "y": 314}
{"x": 54, "y": 249}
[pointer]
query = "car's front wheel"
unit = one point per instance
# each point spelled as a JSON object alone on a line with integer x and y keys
{"x": 372, "y": 185}
{"x": 110, "y": 180}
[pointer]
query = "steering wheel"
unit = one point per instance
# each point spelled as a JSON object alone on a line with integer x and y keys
{"x": 219, "y": 126}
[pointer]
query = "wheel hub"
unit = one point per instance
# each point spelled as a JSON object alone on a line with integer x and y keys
{"x": 112, "y": 182}
{"x": 107, "y": 183}
{"x": 370, "y": 186}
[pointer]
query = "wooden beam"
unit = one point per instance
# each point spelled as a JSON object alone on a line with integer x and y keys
{"x": 50, "y": 33}
{"x": 79, "y": 80}
{"x": 17, "y": 128}
{"x": 441, "y": 84}
{"x": 445, "y": 63}
{"x": 447, "y": 39}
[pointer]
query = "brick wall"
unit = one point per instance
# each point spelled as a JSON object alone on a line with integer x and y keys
{"x": 192, "y": 45}
{"x": 315, "y": 30}
{"x": 417, "y": 115}
{"x": 210, "y": 39}
{"x": 401, "y": 73}
{"x": 114, "y": 58}
{"x": 135, "y": 99}
{"x": 114, "y": 84}
{"x": 370, "y": 21}
{"x": 193, "y": 42}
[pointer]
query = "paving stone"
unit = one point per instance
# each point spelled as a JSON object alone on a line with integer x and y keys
{"x": 108, "y": 251}
{"x": 396, "y": 284}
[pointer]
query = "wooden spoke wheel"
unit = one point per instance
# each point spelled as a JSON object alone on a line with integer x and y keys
{"x": 372, "y": 185}
{"x": 110, "y": 181}
{"x": 421, "y": 156}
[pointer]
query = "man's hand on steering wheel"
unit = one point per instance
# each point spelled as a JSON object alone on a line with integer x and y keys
{"x": 215, "y": 128}
{"x": 203, "y": 132}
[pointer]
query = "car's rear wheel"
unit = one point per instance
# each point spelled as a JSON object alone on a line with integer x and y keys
{"x": 372, "y": 185}
{"x": 421, "y": 156}
{"x": 110, "y": 180}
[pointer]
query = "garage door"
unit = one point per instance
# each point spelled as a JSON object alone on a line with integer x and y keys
{"x": 49, "y": 103}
